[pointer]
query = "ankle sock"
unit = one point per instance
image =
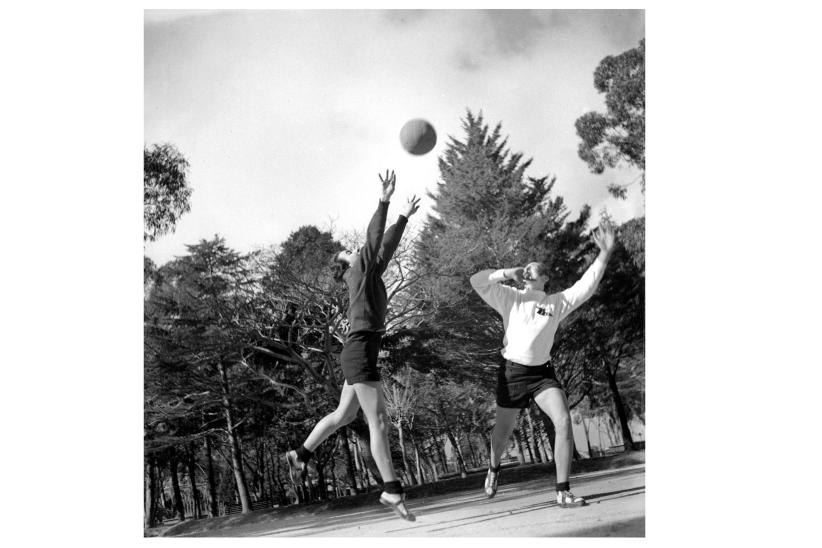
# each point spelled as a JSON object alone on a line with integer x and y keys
{"x": 393, "y": 487}
{"x": 564, "y": 486}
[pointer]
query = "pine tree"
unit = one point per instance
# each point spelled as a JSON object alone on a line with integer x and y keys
{"x": 487, "y": 214}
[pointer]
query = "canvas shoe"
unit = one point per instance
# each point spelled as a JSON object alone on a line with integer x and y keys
{"x": 566, "y": 499}
{"x": 397, "y": 506}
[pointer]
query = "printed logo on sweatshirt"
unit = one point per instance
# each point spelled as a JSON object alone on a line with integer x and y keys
{"x": 543, "y": 311}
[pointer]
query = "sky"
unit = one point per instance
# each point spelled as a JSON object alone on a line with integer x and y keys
{"x": 288, "y": 116}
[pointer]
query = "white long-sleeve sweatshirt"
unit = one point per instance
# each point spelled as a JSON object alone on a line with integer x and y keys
{"x": 531, "y": 317}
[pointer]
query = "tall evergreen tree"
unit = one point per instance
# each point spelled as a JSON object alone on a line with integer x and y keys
{"x": 487, "y": 214}
{"x": 194, "y": 342}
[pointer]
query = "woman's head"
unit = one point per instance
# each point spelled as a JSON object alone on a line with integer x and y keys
{"x": 535, "y": 275}
{"x": 340, "y": 263}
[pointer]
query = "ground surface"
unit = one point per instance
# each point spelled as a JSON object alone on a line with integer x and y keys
{"x": 523, "y": 507}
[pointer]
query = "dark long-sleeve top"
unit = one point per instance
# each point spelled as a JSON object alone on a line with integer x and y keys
{"x": 368, "y": 300}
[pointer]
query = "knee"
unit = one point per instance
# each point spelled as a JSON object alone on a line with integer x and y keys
{"x": 562, "y": 425}
{"x": 381, "y": 422}
{"x": 342, "y": 418}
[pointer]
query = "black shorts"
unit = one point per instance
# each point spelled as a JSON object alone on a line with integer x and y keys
{"x": 517, "y": 384}
{"x": 359, "y": 357}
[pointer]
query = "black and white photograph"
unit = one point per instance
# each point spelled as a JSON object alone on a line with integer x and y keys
{"x": 392, "y": 276}
{"x": 394, "y": 273}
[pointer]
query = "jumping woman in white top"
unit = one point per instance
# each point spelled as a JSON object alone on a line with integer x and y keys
{"x": 530, "y": 318}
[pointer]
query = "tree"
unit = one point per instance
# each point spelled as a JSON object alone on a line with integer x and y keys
{"x": 612, "y": 326}
{"x": 619, "y": 134}
{"x": 165, "y": 190}
{"x": 486, "y": 214}
{"x": 194, "y": 341}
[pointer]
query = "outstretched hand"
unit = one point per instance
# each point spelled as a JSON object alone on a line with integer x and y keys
{"x": 388, "y": 184}
{"x": 411, "y": 206}
{"x": 603, "y": 236}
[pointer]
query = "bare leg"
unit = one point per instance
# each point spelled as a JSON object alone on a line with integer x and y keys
{"x": 371, "y": 399}
{"x": 552, "y": 401}
{"x": 503, "y": 427}
{"x": 345, "y": 412}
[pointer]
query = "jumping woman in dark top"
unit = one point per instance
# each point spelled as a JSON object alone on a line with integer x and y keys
{"x": 362, "y": 272}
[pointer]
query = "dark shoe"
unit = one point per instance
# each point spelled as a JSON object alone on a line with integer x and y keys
{"x": 491, "y": 481}
{"x": 296, "y": 467}
{"x": 566, "y": 499}
{"x": 398, "y": 507}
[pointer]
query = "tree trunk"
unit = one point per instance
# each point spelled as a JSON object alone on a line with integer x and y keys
{"x": 458, "y": 451}
{"x": 620, "y": 408}
{"x": 408, "y": 469}
{"x": 486, "y": 446}
{"x": 192, "y": 479}
{"x": 532, "y": 434}
{"x": 520, "y": 424}
{"x": 151, "y": 503}
{"x": 260, "y": 475}
{"x": 518, "y": 440}
{"x": 420, "y": 477}
{"x": 271, "y": 483}
{"x": 439, "y": 453}
{"x": 212, "y": 483}
{"x": 175, "y": 486}
{"x": 349, "y": 462}
{"x": 474, "y": 463}
{"x": 361, "y": 463}
{"x": 234, "y": 445}
{"x": 587, "y": 439}
{"x": 322, "y": 489}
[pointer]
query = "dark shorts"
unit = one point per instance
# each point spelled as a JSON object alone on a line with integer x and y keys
{"x": 517, "y": 384}
{"x": 359, "y": 357}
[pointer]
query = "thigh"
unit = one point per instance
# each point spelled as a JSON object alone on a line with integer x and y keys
{"x": 553, "y": 403}
{"x": 349, "y": 404}
{"x": 506, "y": 418}
{"x": 371, "y": 399}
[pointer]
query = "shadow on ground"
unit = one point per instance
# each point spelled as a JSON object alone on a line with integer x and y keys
{"x": 366, "y": 508}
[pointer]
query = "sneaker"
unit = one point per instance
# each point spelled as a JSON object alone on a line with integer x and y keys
{"x": 491, "y": 481}
{"x": 296, "y": 467}
{"x": 398, "y": 507}
{"x": 566, "y": 499}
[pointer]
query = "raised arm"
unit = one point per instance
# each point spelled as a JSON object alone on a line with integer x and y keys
{"x": 393, "y": 235}
{"x": 486, "y": 284}
{"x": 374, "y": 233}
{"x": 586, "y": 286}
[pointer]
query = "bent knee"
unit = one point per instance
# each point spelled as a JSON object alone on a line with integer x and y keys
{"x": 345, "y": 418}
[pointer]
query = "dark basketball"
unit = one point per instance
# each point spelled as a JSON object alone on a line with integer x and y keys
{"x": 418, "y": 136}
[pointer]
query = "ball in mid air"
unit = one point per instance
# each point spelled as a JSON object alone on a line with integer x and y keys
{"x": 418, "y": 137}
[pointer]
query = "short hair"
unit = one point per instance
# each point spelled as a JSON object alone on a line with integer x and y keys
{"x": 338, "y": 267}
{"x": 542, "y": 269}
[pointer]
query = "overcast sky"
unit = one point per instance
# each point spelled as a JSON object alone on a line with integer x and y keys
{"x": 287, "y": 116}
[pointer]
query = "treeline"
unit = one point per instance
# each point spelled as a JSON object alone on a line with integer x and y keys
{"x": 241, "y": 349}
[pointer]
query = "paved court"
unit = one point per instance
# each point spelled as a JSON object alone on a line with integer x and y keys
{"x": 616, "y": 508}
